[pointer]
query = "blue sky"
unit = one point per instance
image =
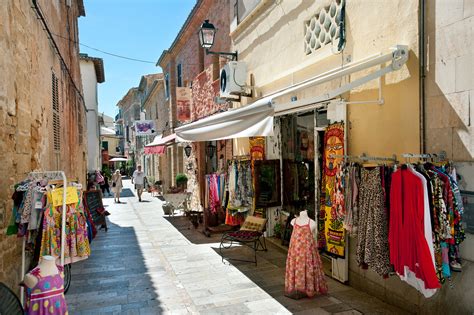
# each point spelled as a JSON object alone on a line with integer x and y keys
{"x": 139, "y": 29}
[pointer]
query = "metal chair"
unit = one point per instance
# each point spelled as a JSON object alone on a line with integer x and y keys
{"x": 9, "y": 302}
{"x": 250, "y": 234}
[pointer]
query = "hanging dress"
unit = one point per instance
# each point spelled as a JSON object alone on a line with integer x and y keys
{"x": 47, "y": 296}
{"x": 372, "y": 242}
{"x": 304, "y": 271}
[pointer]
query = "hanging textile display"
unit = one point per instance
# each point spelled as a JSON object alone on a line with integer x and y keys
{"x": 37, "y": 213}
{"x": 425, "y": 225}
{"x": 241, "y": 192}
{"x": 257, "y": 148}
{"x": 372, "y": 241}
{"x": 405, "y": 218}
{"x": 215, "y": 191}
{"x": 333, "y": 208}
{"x": 77, "y": 242}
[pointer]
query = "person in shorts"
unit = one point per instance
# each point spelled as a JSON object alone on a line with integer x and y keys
{"x": 138, "y": 178}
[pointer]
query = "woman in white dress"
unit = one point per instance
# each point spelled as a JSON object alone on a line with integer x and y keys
{"x": 117, "y": 185}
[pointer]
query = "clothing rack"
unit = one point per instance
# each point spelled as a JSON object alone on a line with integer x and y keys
{"x": 240, "y": 158}
{"x": 365, "y": 157}
{"x": 46, "y": 175}
{"x": 433, "y": 156}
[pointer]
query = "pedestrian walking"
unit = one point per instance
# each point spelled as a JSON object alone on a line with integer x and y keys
{"x": 105, "y": 186}
{"x": 138, "y": 178}
{"x": 117, "y": 185}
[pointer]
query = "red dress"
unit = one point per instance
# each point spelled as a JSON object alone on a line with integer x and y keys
{"x": 304, "y": 274}
{"x": 408, "y": 246}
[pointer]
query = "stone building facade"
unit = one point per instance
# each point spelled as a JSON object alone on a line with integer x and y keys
{"x": 155, "y": 108}
{"x": 129, "y": 107}
{"x": 92, "y": 73}
{"x": 185, "y": 64}
{"x": 288, "y": 42}
{"x": 42, "y": 111}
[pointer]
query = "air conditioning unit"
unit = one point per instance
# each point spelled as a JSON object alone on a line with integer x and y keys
{"x": 232, "y": 79}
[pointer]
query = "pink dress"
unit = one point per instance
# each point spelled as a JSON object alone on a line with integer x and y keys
{"x": 304, "y": 273}
{"x": 47, "y": 296}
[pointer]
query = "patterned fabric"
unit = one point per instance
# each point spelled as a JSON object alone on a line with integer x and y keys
{"x": 254, "y": 224}
{"x": 214, "y": 201}
{"x": 351, "y": 198}
{"x": 372, "y": 245}
{"x": 338, "y": 203}
{"x": 27, "y": 204}
{"x": 304, "y": 274}
{"x": 235, "y": 216}
{"x": 77, "y": 243}
{"x": 245, "y": 235}
{"x": 47, "y": 296}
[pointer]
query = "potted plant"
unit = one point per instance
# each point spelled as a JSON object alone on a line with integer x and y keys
{"x": 181, "y": 181}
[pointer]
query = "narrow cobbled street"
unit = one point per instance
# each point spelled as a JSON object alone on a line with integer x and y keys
{"x": 144, "y": 265}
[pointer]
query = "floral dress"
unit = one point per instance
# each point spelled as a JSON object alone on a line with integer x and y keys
{"x": 304, "y": 273}
{"x": 77, "y": 243}
{"x": 47, "y": 296}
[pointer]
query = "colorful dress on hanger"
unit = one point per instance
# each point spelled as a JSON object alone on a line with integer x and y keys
{"x": 47, "y": 296}
{"x": 304, "y": 272}
{"x": 77, "y": 246}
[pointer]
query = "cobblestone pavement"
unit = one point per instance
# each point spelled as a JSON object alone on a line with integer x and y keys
{"x": 148, "y": 263}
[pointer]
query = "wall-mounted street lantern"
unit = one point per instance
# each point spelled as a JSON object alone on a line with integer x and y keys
{"x": 211, "y": 150}
{"x": 207, "y": 34}
{"x": 187, "y": 150}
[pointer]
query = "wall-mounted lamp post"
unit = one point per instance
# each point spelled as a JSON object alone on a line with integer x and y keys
{"x": 207, "y": 34}
{"x": 187, "y": 150}
{"x": 211, "y": 150}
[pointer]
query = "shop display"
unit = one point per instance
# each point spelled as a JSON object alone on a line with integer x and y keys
{"x": 297, "y": 153}
{"x": 405, "y": 218}
{"x": 304, "y": 275}
{"x": 40, "y": 203}
{"x": 332, "y": 210}
{"x": 267, "y": 183}
{"x": 45, "y": 288}
{"x": 241, "y": 192}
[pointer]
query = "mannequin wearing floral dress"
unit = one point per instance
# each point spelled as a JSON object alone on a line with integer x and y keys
{"x": 304, "y": 272}
{"x": 45, "y": 293}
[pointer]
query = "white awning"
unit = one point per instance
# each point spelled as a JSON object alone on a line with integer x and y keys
{"x": 104, "y": 131}
{"x": 257, "y": 119}
{"x": 248, "y": 121}
{"x": 159, "y": 140}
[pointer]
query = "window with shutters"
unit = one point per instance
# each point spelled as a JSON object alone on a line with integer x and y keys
{"x": 56, "y": 116}
{"x": 80, "y": 129}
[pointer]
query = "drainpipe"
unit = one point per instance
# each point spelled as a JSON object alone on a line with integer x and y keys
{"x": 421, "y": 52}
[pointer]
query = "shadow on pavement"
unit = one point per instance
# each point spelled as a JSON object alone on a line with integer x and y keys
{"x": 114, "y": 279}
{"x": 194, "y": 235}
{"x": 125, "y": 193}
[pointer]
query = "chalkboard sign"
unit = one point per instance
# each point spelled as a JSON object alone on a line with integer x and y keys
{"x": 93, "y": 202}
{"x": 267, "y": 183}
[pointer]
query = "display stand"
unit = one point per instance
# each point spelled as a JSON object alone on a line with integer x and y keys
{"x": 47, "y": 175}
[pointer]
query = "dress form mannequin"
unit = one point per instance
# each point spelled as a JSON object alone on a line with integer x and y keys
{"x": 303, "y": 219}
{"x": 45, "y": 289}
{"x": 304, "y": 276}
{"x": 48, "y": 267}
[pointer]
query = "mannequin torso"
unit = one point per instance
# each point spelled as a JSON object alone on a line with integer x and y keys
{"x": 303, "y": 219}
{"x": 47, "y": 267}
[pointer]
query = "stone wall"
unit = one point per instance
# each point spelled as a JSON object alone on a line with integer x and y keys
{"x": 26, "y": 128}
{"x": 450, "y": 78}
